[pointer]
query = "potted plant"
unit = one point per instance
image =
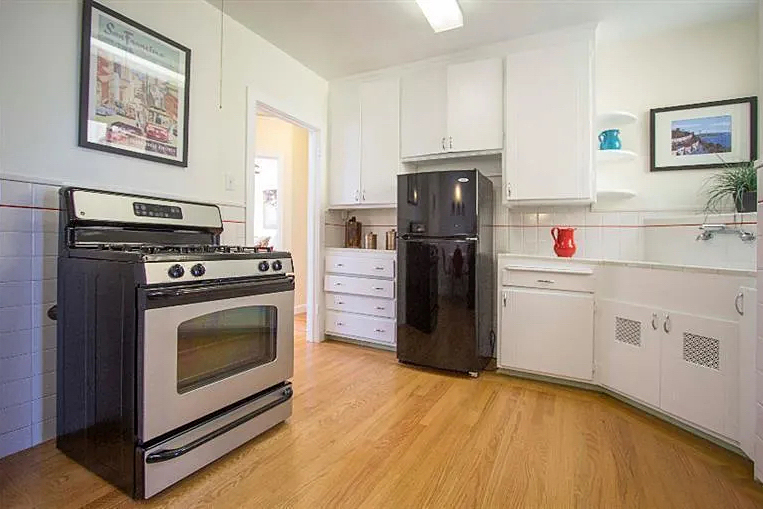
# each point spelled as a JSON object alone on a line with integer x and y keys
{"x": 736, "y": 182}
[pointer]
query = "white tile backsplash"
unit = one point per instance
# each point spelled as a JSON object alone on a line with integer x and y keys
{"x": 660, "y": 237}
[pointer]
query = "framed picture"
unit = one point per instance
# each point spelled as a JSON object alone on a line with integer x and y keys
{"x": 704, "y": 135}
{"x": 133, "y": 89}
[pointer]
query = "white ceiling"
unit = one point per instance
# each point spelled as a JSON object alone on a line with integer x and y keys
{"x": 337, "y": 38}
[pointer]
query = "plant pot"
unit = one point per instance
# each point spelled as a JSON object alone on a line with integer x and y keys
{"x": 748, "y": 202}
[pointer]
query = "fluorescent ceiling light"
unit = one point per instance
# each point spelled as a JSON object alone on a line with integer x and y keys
{"x": 442, "y": 14}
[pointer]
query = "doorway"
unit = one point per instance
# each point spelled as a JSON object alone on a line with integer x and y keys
{"x": 283, "y": 201}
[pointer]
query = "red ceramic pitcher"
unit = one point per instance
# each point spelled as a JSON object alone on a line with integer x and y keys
{"x": 564, "y": 241}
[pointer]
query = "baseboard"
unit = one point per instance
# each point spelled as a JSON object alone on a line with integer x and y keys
{"x": 298, "y": 310}
{"x": 360, "y": 342}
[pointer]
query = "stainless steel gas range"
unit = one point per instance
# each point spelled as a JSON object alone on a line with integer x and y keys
{"x": 172, "y": 349}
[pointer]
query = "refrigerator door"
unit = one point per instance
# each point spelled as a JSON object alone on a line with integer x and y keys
{"x": 437, "y": 304}
{"x": 437, "y": 204}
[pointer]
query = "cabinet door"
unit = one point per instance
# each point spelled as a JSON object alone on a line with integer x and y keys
{"x": 475, "y": 106}
{"x": 423, "y": 114}
{"x": 700, "y": 374}
{"x": 380, "y": 140}
{"x": 748, "y": 414}
{"x": 549, "y": 124}
{"x": 548, "y": 332}
{"x": 628, "y": 350}
{"x": 344, "y": 144}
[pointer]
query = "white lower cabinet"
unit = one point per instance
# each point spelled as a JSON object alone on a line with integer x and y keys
{"x": 683, "y": 364}
{"x": 628, "y": 355}
{"x": 547, "y": 331}
{"x": 699, "y": 371}
{"x": 360, "y": 295}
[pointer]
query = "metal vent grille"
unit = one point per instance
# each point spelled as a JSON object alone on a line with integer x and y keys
{"x": 628, "y": 331}
{"x": 702, "y": 350}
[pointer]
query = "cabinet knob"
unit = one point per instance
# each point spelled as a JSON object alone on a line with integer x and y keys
{"x": 379, "y": 268}
{"x": 654, "y": 321}
{"x": 379, "y": 330}
{"x": 450, "y": 140}
{"x": 380, "y": 308}
{"x": 739, "y": 303}
{"x": 379, "y": 288}
{"x": 442, "y": 143}
{"x": 340, "y": 324}
{"x": 666, "y": 325}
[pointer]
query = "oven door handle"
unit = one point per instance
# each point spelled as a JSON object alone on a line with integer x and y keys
{"x": 280, "y": 284}
{"x": 169, "y": 454}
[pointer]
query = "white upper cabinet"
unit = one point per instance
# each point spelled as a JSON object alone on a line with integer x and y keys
{"x": 379, "y": 140}
{"x": 549, "y": 125}
{"x": 344, "y": 143}
{"x": 423, "y": 115}
{"x": 364, "y": 144}
{"x": 454, "y": 108}
{"x": 475, "y": 106}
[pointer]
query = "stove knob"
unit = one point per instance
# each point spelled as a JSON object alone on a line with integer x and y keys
{"x": 198, "y": 270}
{"x": 264, "y": 266}
{"x": 176, "y": 271}
{"x": 277, "y": 265}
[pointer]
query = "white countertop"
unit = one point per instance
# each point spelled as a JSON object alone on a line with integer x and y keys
{"x": 528, "y": 259}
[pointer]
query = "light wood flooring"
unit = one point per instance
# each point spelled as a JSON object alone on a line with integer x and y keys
{"x": 368, "y": 432}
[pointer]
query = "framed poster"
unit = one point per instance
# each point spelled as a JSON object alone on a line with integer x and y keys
{"x": 133, "y": 89}
{"x": 704, "y": 135}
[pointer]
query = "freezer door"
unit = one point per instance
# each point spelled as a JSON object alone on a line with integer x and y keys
{"x": 438, "y": 204}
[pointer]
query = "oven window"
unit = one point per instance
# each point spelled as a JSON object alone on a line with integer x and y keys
{"x": 218, "y": 345}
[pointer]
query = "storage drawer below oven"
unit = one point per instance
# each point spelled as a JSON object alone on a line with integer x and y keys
{"x": 166, "y": 463}
{"x": 369, "y": 328}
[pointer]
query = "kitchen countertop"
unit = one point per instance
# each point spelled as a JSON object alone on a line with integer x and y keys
{"x": 541, "y": 260}
{"x": 353, "y": 250}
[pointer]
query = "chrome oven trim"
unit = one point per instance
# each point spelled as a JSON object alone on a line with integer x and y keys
{"x": 162, "y": 408}
{"x": 179, "y": 456}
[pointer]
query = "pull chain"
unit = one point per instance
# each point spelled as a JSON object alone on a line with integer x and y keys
{"x": 222, "y": 34}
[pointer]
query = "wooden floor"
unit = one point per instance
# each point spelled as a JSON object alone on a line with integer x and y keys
{"x": 368, "y": 432}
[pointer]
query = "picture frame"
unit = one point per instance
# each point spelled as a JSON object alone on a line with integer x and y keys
{"x": 704, "y": 135}
{"x": 134, "y": 89}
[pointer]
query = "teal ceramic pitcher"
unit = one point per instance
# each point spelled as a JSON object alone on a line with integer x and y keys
{"x": 610, "y": 140}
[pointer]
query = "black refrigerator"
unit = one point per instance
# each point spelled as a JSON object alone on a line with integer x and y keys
{"x": 445, "y": 276}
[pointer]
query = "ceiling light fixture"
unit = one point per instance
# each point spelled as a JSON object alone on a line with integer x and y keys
{"x": 442, "y": 14}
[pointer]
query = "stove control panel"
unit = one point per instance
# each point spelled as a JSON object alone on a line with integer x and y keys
{"x": 175, "y": 272}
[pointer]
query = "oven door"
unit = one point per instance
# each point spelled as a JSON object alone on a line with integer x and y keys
{"x": 205, "y": 347}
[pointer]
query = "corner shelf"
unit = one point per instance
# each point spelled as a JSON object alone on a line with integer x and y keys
{"x": 615, "y": 156}
{"x": 615, "y": 119}
{"x": 615, "y": 194}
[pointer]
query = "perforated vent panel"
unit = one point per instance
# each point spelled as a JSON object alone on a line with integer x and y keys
{"x": 627, "y": 331}
{"x": 702, "y": 350}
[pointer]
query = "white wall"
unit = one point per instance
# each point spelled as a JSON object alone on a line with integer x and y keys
{"x": 39, "y": 90}
{"x": 39, "y": 83}
{"x": 696, "y": 64}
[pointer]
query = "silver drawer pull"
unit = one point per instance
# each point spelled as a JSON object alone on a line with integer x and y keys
{"x": 666, "y": 325}
{"x": 380, "y": 308}
{"x": 378, "y": 288}
{"x": 379, "y": 268}
{"x": 340, "y": 324}
{"x": 548, "y": 281}
{"x": 337, "y": 284}
{"x": 339, "y": 303}
{"x": 379, "y": 330}
{"x": 340, "y": 265}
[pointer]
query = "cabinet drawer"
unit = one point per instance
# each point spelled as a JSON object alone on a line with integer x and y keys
{"x": 380, "y": 330}
{"x": 360, "y": 266}
{"x": 363, "y": 305}
{"x": 571, "y": 281}
{"x": 360, "y": 286}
